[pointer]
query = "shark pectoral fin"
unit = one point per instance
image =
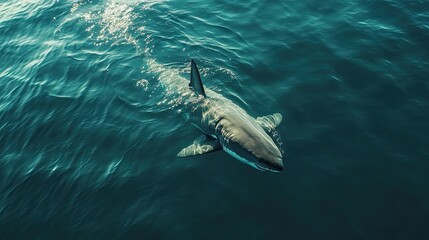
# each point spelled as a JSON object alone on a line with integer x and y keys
{"x": 201, "y": 145}
{"x": 270, "y": 122}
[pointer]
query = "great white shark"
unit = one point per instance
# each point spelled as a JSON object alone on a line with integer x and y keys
{"x": 228, "y": 127}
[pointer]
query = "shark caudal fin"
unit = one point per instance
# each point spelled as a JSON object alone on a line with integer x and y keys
{"x": 196, "y": 83}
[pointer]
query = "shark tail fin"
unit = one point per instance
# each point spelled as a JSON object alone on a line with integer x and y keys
{"x": 196, "y": 83}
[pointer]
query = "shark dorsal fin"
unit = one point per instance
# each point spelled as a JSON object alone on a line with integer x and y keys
{"x": 196, "y": 83}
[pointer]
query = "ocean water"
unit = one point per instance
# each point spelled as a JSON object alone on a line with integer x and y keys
{"x": 90, "y": 120}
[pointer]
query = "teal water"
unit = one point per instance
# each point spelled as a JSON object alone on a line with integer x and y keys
{"x": 90, "y": 124}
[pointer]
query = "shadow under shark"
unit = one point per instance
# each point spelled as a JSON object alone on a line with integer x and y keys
{"x": 228, "y": 127}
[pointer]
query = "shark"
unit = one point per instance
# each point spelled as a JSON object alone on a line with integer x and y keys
{"x": 226, "y": 126}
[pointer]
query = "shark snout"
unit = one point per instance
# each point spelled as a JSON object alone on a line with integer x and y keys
{"x": 278, "y": 166}
{"x": 273, "y": 164}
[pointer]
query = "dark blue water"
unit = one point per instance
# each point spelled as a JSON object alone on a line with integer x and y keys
{"x": 90, "y": 123}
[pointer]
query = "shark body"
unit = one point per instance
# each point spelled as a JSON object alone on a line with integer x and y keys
{"x": 228, "y": 127}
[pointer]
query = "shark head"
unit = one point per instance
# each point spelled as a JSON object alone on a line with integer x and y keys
{"x": 269, "y": 162}
{"x": 244, "y": 139}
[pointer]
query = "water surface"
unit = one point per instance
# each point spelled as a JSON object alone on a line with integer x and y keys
{"x": 90, "y": 119}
